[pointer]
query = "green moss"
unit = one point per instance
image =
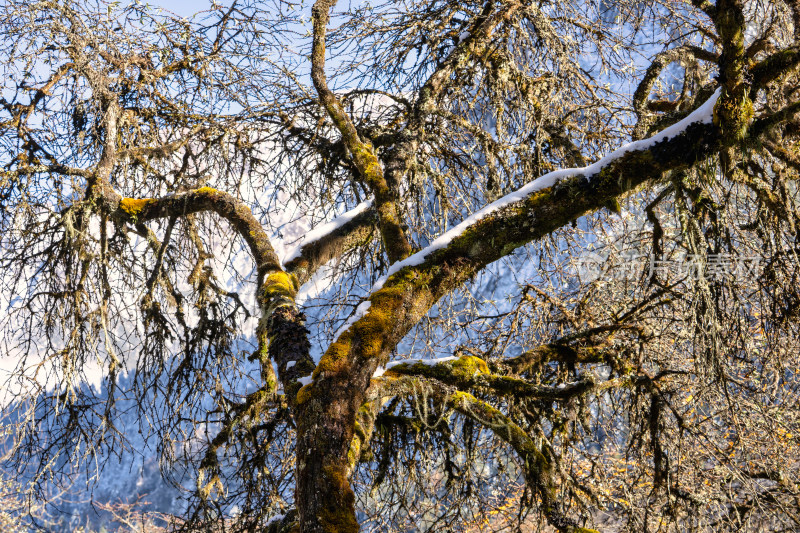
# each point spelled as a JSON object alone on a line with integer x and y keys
{"x": 338, "y": 516}
{"x": 372, "y": 330}
{"x": 271, "y": 383}
{"x": 304, "y": 394}
{"x": 359, "y": 431}
{"x": 613, "y": 206}
{"x": 543, "y": 195}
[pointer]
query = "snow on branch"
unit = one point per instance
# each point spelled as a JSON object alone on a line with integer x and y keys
{"x": 702, "y": 115}
{"x": 428, "y": 362}
{"x": 323, "y": 230}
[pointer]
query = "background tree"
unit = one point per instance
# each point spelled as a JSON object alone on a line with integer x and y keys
{"x": 153, "y": 171}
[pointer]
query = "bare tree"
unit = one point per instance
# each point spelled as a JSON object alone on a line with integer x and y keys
{"x": 453, "y": 371}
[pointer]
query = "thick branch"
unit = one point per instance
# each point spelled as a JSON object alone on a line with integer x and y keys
{"x": 234, "y": 211}
{"x": 734, "y": 111}
{"x": 411, "y": 287}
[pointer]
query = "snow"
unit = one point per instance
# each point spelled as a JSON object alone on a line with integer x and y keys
{"x": 429, "y": 362}
{"x": 360, "y": 311}
{"x": 702, "y": 115}
{"x": 325, "y": 229}
{"x": 305, "y": 380}
{"x": 276, "y": 518}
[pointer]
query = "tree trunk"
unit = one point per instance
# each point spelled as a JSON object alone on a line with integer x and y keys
{"x": 325, "y": 427}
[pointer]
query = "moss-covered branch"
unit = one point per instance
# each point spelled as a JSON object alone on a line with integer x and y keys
{"x": 469, "y": 373}
{"x": 315, "y": 254}
{"x": 775, "y": 66}
{"x": 538, "y": 462}
{"x": 234, "y": 211}
{"x": 282, "y": 335}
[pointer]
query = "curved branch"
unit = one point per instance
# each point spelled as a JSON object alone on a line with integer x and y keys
{"x": 661, "y": 61}
{"x": 364, "y": 156}
{"x": 281, "y": 322}
{"x": 224, "y": 204}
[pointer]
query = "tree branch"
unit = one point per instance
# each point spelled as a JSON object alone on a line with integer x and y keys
{"x": 330, "y": 240}
{"x": 408, "y": 290}
{"x": 364, "y": 156}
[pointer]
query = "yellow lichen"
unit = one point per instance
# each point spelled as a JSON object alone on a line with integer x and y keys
{"x": 279, "y": 284}
{"x": 468, "y": 366}
{"x": 134, "y": 206}
{"x": 335, "y": 356}
{"x": 354, "y": 453}
{"x": 459, "y": 398}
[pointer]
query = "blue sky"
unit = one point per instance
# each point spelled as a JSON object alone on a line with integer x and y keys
{"x": 185, "y": 8}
